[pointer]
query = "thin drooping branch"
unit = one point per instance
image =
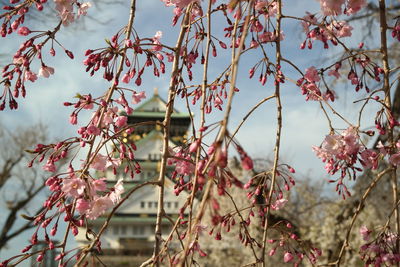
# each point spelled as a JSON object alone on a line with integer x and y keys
{"x": 248, "y": 115}
{"x": 167, "y": 120}
{"x": 202, "y": 116}
{"x": 90, "y": 157}
{"x": 388, "y": 103}
{"x": 223, "y": 130}
{"x": 278, "y": 130}
{"x": 357, "y": 212}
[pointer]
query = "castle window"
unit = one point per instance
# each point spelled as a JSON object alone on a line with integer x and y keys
{"x": 123, "y": 230}
{"x": 116, "y": 230}
{"x": 142, "y": 204}
{"x": 168, "y": 204}
{"x": 176, "y": 205}
{"x": 150, "y": 204}
{"x": 138, "y": 230}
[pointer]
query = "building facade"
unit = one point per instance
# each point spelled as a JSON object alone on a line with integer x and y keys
{"x": 129, "y": 238}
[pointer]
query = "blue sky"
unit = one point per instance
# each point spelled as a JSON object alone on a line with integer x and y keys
{"x": 304, "y": 124}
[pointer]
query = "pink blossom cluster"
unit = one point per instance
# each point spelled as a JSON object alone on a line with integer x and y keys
{"x": 91, "y": 195}
{"x": 310, "y": 88}
{"x": 267, "y": 8}
{"x": 17, "y": 11}
{"x": 182, "y": 161}
{"x": 258, "y": 189}
{"x": 392, "y": 153}
{"x": 216, "y": 162}
{"x": 380, "y": 251}
{"x": 360, "y": 69}
{"x": 335, "y": 7}
{"x": 215, "y": 96}
{"x": 65, "y": 9}
{"x": 290, "y": 243}
{"x": 106, "y": 58}
{"x": 341, "y": 151}
{"x": 103, "y": 121}
{"x": 179, "y": 5}
{"x": 20, "y": 69}
{"x": 329, "y": 32}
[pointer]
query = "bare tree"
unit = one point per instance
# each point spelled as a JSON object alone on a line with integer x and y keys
{"x": 19, "y": 186}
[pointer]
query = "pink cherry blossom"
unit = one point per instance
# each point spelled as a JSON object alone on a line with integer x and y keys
{"x": 269, "y": 9}
{"x": 126, "y": 78}
{"x": 118, "y": 189}
{"x": 113, "y": 162}
{"x": 257, "y": 26}
{"x": 353, "y": 6}
{"x": 83, "y": 8}
{"x": 98, "y": 206}
{"x": 93, "y": 130}
{"x": 82, "y": 205}
{"x": 137, "y": 97}
{"x": 184, "y": 167}
{"x": 30, "y": 76}
{"x": 99, "y": 162}
{"x": 335, "y": 148}
{"x": 364, "y": 232}
{"x": 266, "y": 37}
{"x": 156, "y": 41}
{"x": 46, "y": 71}
{"x": 67, "y": 17}
{"x": 73, "y": 187}
{"x": 62, "y": 5}
{"x": 50, "y": 167}
{"x": 121, "y": 121}
{"x": 340, "y": 29}
{"x": 178, "y": 3}
{"x": 369, "y": 159}
{"x": 334, "y": 73}
{"x": 280, "y": 203}
{"x": 312, "y": 91}
{"x": 247, "y": 163}
{"x": 312, "y": 75}
{"x": 331, "y": 7}
{"x": 99, "y": 184}
{"x": 193, "y": 146}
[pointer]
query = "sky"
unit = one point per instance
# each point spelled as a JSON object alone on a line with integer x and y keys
{"x": 304, "y": 124}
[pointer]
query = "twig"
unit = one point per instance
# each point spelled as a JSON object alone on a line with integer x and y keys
{"x": 167, "y": 119}
{"x": 278, "y": 130}
{"x": 356, "y": 213}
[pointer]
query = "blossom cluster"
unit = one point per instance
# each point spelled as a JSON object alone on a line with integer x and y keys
{"x": 338, "y": 7}
{"x": 323, "y": 32}
{"x": 292, "y": 246}
{"x": 341, "y": 152}
{"x": 21, "y": 67}
{"x": 65, "y": 9}
{"x": 380, "y": 251}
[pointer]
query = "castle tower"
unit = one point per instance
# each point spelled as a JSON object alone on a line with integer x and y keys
{"x": 129, "y": 238}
